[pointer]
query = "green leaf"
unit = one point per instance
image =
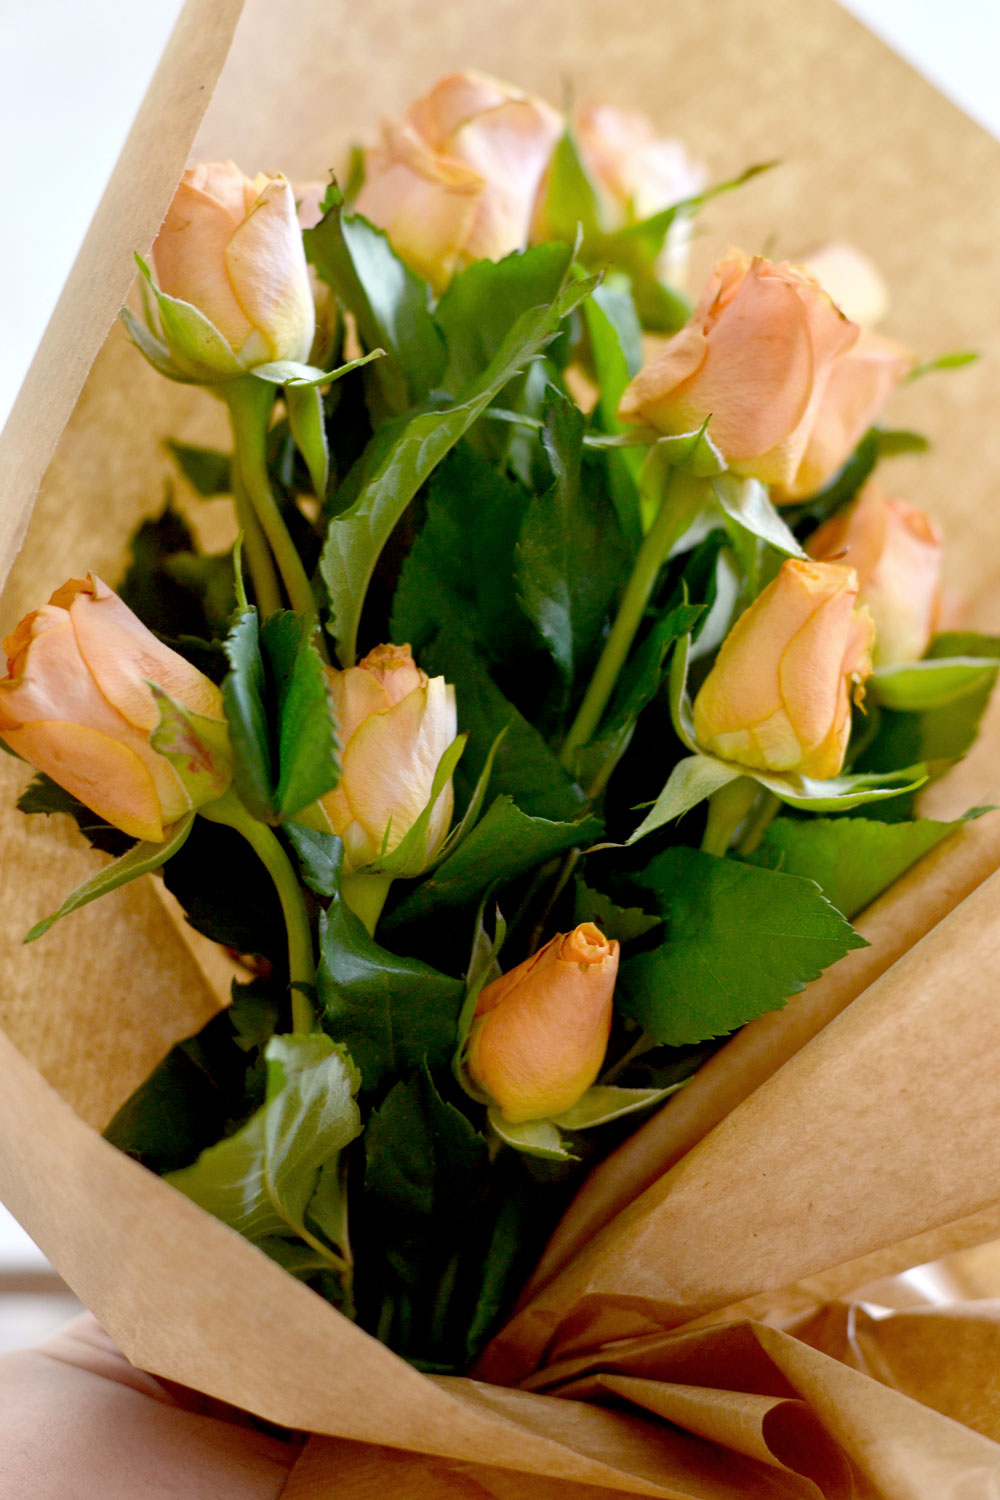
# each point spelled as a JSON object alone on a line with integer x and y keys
{"x": 392, "y": 1013}
{"x": 390, "y": 303}
{"x": 954, "y": 361}
{"x": 852, "y": 860}
{"x": 740, "y": 940}
{"x": 307, "y": 738}
{"x": 243, "y": 694}
{"x": 140, "y": 860}
{"x": 305, "y": 417}
{"x": 320, "y": 856}
{"x": 426, "y": 1168}
{"x": 261, "y": 1180}
{"x": 503, "y": 845}
{"x": 615, "y": 339}
{"x": 410, "y": 856}
{"x": 690, "y": 782}
{"x": 206, "y": 469}
{"x": 895, "y": 440}
{"x": 623, "y": 924}
{"x": 296, "y": 376}
{"x": 637, "y": 686}
{"x": 483, "y": 302}
{"x": 531, "y": 1137}
{"x": 569, "y": 202}
{"x": 605, "y": 1102}
{"x": 913, "y": 687}
{"x": 570, "y": 557}
{"x": 399, "y": 464}
{"x": 525, "y": 769}
{"x": 942, "y": 733}
{"x": 459, "y": 573}
{"x": 746, "y": 502}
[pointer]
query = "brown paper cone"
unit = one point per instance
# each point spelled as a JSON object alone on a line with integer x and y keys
{"x": 874, "y": 1132}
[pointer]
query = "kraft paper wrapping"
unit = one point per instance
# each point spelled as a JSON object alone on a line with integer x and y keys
{"x": 846, "y": 1136}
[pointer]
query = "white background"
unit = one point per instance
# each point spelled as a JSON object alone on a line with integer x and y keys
{"x": 72, "y": 74}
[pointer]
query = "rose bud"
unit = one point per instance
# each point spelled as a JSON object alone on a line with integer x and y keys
{"x": 897, "y": 553}
{"x": 456, "y": 179}
{"x": 232, "y": 247}
{"x": 637, "y": 174}
{"x": 394, "y": 724}
{"x": 540, "y": 1033}
{"x": 755, "y": 359}
{"x": 779, "y": 695}
{"x": 76, "y": 704}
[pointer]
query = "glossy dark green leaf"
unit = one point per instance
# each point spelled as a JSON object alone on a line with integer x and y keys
{"x": 392, "y": 1013}
{"x": 307, "y": 740}
{"x": 738, "y": 941}
{"x": 484, "y": 301}
{"x": 390, "y": 304}
{"x": 525, "y": 769}
{"x": 852, "y": 860}
{"x": 243, "y": 696}
{"x": 398, "y": 467}
{"x": 622, "y": 923}
{"x": 503, "y": 845}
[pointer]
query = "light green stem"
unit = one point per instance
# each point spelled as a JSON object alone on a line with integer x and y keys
{"x": 365, "y": 895}
{"x": 683, "y": 497}
{"x": 758, "y": 821}
{"x": 301, "y": 961}
{"x": 267, "y": 590}
{"x": 727, "y": 809}
{"x": 250, "y": 401}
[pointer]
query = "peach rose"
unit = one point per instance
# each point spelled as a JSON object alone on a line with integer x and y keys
{"x": 232, "y": 247}
{"x": 456, "y": 179}
{"x": 897, "y": 553}
{"x": 860, "y": 383}
{"x": 394, "y": 723}
{"x": 540, "y": 1033}
{"x": 779, "y": 695}
{"x": 756, "y": 359}
{"x": 77, "y": 705}
{"x": 853, "y": 281}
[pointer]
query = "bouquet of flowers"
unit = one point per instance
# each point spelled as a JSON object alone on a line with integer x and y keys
{"x": 572, "y": 671}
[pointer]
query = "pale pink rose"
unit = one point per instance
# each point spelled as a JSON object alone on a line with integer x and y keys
{"x": 456, "y": 179}
{"x": 232, "y": 247}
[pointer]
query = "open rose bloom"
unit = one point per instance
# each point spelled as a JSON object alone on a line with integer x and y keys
{"x": 687, "y": 1312}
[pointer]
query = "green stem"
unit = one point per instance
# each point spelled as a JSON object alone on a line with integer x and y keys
{"x": 267, "y": 590}
{"x": 761, "y": 815}
{"x": 727, "y": 809}
{"x": 250, "y": 401}
{"x": 683, "y": 496}
{"x": 230, "y": 811}
{"x": 365, "y": 895}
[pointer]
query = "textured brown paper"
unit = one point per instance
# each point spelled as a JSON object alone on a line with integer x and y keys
{"x": 856, "y": 1127}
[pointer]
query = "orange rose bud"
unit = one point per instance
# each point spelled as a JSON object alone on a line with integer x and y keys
{"x": 232, "y": 247}
{"x": 76, "y": 704}
{"x": 897, "y": 553}
{"x": 456, "y": 179}
{"x": 394, "y": 723}
{"x": 779, "y": 695}
{"x": 540, "y": 1033}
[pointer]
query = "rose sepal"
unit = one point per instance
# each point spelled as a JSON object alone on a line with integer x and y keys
{"x": 198, "y": 748}
{"x": 597, "y": 1106}
{"x": 141, "y": 859}
{"x": 698, "y": 776}
{"x": 912, "y": 687}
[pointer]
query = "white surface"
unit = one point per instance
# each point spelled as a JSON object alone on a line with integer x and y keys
{"x": 72, "y": 74}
